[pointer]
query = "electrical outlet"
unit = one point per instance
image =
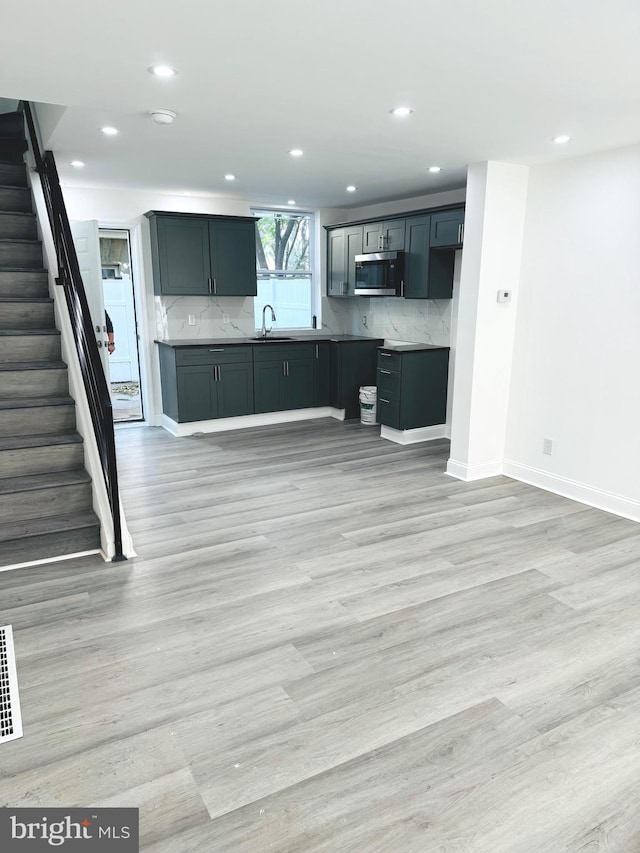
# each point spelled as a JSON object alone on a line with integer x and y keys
{"x": 225, "y": 319}
{"x": 364, "y": 320}
{"x": 192, "y": 319}
{"x": 547, "y": 446}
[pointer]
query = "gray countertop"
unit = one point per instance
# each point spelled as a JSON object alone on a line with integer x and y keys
{"x": 302, "y": 338}
{"x": 410, "y": 347}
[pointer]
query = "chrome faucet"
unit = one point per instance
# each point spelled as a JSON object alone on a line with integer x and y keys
{"x": 266, "y": 331}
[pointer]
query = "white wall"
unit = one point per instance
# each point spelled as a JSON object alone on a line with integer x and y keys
{"x": 577, "y": 350}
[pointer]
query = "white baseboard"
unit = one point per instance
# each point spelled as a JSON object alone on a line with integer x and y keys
{"x": 413, "y": 436}
{"x": 46, "y": 560}
{"x": 247, "y": 421}
{"x": 468, "y": 473}
{"x": 598, "y": 498}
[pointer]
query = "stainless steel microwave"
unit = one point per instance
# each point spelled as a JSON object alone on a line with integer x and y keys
{"x": 380, "y": 274}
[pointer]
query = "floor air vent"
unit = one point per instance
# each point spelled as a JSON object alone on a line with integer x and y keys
{"x": 10, "y": 719}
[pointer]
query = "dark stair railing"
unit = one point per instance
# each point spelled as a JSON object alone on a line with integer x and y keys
{"x": 70, "y": 279}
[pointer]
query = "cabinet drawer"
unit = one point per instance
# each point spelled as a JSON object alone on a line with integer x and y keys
{"x": 388, "y": 382}
{"x": 213, "y": 355}
{"x": 388, "y": 411}
{"x": 389, "y": 360}
{"x": 282, "y": 352}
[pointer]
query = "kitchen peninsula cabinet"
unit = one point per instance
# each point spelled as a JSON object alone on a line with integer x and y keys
{"x": 195, "y": 255}
{"x": 412, "y": 386}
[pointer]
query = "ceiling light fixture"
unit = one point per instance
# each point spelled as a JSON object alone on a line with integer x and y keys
{"x": 163, "y": 71}
{"x": 163, "y": 116}
{"x": 78, "y": 164}
{"x": 229, "y": 177}
{"x": 401, "y": 112}
{"x": 296, "y": 152}
{"x": 109, "y": 131}
{"x": 291, "y": 201}
{"x": 434, "y": 169}
{"x": 560, "y": 140}
{"x": 351, "y": 188}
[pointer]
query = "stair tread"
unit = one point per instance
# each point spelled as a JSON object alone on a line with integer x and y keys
{"x": 28, "y": 332}
{"x": 33, "y": 365}
{"x": 52, "y": 524}
{"x": 54, "y": 480}
{"x": 18, "y": 239}
{"x": 20, "y": 442}
{"x": 29, "y": 299}
{"x": 34, "y": 402}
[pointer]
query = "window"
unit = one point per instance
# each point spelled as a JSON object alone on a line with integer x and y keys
{"x": 283, "y": 259}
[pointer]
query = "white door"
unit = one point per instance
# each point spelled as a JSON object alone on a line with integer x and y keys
{"x": 87, "y": 242}
{"x": 118, "y": 302}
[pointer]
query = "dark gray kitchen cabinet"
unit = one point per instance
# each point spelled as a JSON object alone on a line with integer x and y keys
{"x": 343, "y": 244}
{"x": 201, "y": 383}
{"x": 322, "y": 373}
{"x": 412, "y": 387}
{"x": 353, "y": 364}
{"x": 283, "y": 377}
{"x": 447, "y": 229}
{"x": 386, "y": 236}
{"x": 202, "y": 255}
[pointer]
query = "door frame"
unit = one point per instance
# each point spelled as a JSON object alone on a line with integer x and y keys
{"x": 141, "y": 311}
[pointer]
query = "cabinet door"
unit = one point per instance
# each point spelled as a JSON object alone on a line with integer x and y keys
{"x": 182, "y": 266}
{"x": 196, "y": 393}
{"x": 353, "y": 247}
{"x": 233, "y": 258}
{"x": 322, "y": 374}
{"x": 336, "y": 270}
{"x": 416, "y": 271}
{"x": 372, "y": 237}
{"x": 447, "y": 228}
{"x": 268, "y": 380}
{"x": 298, "y": 383}
{"x": 235, "y": 390}
{"x": 393, "y": 235}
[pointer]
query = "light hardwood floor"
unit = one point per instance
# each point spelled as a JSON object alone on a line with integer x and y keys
{"x": 326, "y": 644}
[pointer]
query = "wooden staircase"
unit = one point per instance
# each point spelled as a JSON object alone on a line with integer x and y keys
{"x": 45, "y": 492}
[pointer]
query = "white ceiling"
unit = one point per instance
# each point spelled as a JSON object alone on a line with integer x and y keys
{"x": 488, "y": 79}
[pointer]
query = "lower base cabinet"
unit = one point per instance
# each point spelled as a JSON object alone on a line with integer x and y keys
{"x": 412, "y": 387}
{"x": 283, "y": 377}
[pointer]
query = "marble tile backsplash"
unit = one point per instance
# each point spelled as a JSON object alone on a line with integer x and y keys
{"x": 425, "y": 321}
{"x": 421, "y": 321}
{"x": 172, "y": 317}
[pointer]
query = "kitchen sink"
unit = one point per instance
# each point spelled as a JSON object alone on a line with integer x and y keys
{"x": 271, "y": 338}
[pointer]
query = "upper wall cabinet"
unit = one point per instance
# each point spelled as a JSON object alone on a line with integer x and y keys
{"x": 383, "y": 236}
{"x": 447, "y": 229}
{"x": 343, "y": 246}
{"x": 203, "y": 255}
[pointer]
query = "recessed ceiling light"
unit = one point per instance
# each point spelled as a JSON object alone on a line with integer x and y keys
{"x": 401, "y": 112}
{"x": 434, "y": 169}
{"x": 163, "y": 71}
{"x": 291, "y": 201}
{"x": 296, "y": 152}
{"x": 229, "y": 177}
{"x": 77, "y": 163}
{"x": 351, "y": 188}
{"x": 560, "y": 140}
{"x": 109, "y": 131}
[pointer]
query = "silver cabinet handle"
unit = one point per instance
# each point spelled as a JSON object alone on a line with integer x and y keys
{"x": 210, "y": 285}
{"x": 287, "y": 368}
{"x": 462, "y": 233}
{"x": 316, "y": 350}
{"x": 384, "y": 371}
{"x": 386, "y": 354}
{"x": 458, "y": 240}
{"x": 219, "y": 372}
{"x": 216, "y": 350}
{"x": 382, "y": 400}
{"x": 214, "y": 285}
{"x": 402, "y": 288}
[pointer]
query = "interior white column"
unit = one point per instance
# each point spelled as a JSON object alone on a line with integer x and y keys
{"x": 494, "y": 226}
